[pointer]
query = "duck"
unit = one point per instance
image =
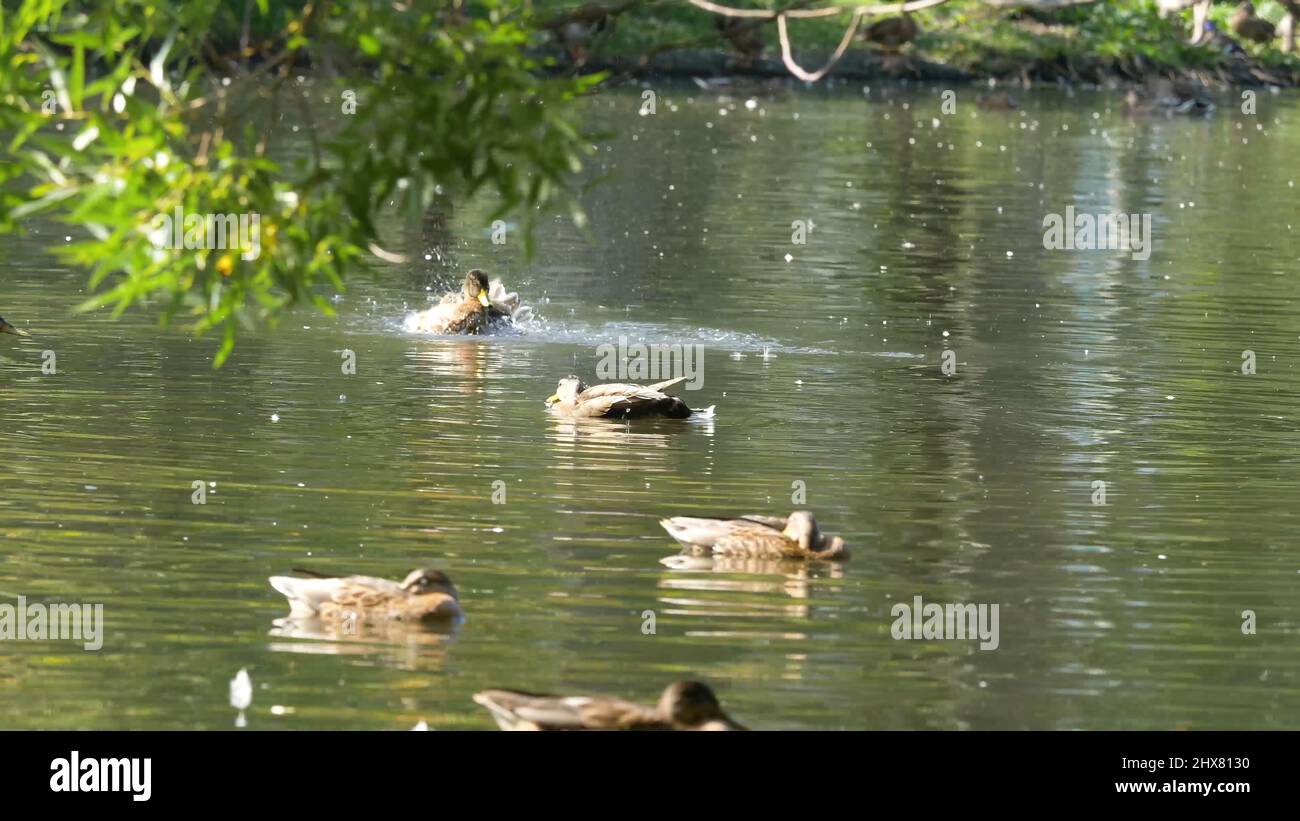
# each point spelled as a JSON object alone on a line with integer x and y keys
{"x": 575, "y": 400}
{"x": 6, "y": 328}
{"x": 1169, "y": 97}
{"x": 1251, "y": 26}
{"x": 773, "y": 537}
{"x": 576, "y": 30}
{"x": 744, "y": 36}
{"x": 684, "y": 705}
{"x": 1215, "y": 38}
{"x": 426, "y": 594}
{"x": 997, "y": 101}
{"x": 466, "y": 311}
{"x": 892, "y": 32}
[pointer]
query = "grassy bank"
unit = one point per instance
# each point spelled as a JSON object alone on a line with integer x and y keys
{"x": 1096, "y": 43}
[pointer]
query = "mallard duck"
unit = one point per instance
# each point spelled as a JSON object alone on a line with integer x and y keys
{"x": 685, "y": 705}
{"x": 795, "y": 537}
{"x": 463, "y": 312}
{"x": 1252, "y": 27}
{"x": 892, "y": 32}
{"x": 616, "y": 401}
{"x": 1215, "y": 38}
{"x": 6, "y": 328}
{"x": 424, "y": 595}
{"x": 744, "y": 36}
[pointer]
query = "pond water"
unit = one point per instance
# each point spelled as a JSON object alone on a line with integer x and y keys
{"x": 924, "y": 234}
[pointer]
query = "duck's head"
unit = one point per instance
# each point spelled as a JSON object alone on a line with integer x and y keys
{"x": 802, "y": 527}
{"x": 476, "y": 287}
{"x": 567, "y": 391}
{"x": 6, "y": 328}
{"x": 427, "y": 580}
{"x": 693, "y": 704}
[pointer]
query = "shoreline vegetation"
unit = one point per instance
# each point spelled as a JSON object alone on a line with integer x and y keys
{"x": 1110, "y": 43}
{"x": 117, "y": 111}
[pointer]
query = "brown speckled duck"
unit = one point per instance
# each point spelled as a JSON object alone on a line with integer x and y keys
{"x": 892, "y": 32}
{"x": 773, "y": 537}
{"x": 424, "y": 595}
{"x": 745, "y": 37}
{"x": 574, "y": 400}
{"x": 466, "y": 311}
{"x": 1251, "y": 26}
{"x": 685, "y": 705}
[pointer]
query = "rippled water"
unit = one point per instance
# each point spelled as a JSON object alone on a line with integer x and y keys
{"x": 1072, "y": 367}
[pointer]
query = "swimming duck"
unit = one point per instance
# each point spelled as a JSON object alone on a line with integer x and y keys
{"x": 997, "y": 101}
{"x": 1169, "y": 97}
{"x": 744, "y": 36}
{"x": 616, "y": 401}
{"x": 684, "y": 705}
{"x": 6, "y": 328}
{"x": 462, "y": 312}
{"x": 892, "y": 32}
{"x": 794, "y": 537}
{"x": 1252, "y": 27}
{"x": 424, "y": 595}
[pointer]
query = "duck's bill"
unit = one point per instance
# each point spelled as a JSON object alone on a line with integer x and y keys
{"x": 552, "y": 399}
{"x": 483, "y": 299}
{"x": 6, "y": 328}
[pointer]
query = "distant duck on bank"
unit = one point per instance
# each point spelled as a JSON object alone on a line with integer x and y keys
{"x": 745, "y": 37}
{"x": 1250, "y": 26}
{"x": 892, "y": 33}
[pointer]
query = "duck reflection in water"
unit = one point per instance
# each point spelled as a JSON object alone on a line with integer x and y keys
{"x": 406, "y": 646}
{"x": 743, "y": 574}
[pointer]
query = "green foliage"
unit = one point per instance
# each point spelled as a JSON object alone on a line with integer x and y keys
{"x": 116, "y": 111}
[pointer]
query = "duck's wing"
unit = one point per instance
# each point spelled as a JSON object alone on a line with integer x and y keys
{"x": 307, "y": 596}
{"x": 705, "y": 532}
{"x": 615, "y": 397}
{"x": 777, "y": 522}
{"x": 616, "y": 389}
{"x": 436, "y": 318}
{"x": 463, "y": 316}
{"x": 663, "y": 386}
{"x": 759, "y": 540}
{"x": 519, "y": 710}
